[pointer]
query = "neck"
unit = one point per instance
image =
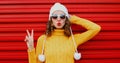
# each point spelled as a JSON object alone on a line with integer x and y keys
{"x": 58, "y": 32}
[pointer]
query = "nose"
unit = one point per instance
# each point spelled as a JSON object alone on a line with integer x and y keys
{"x": 58, "y": 19}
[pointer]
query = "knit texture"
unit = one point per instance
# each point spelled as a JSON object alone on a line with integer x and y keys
{"x": 58, "y": 6}
{"x": 60, "y": 48}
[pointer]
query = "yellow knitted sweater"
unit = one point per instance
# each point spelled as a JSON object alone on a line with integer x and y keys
{"x": 60, "y": 48}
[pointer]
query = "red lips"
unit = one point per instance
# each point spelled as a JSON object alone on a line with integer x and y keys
{"x": 59, "y": 24}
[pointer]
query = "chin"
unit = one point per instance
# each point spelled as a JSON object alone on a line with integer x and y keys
{"x": 59, "y": 27}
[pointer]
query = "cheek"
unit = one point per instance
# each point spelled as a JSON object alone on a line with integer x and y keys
{"x": 54, "y": 22}
{"x": 63, "y": 22}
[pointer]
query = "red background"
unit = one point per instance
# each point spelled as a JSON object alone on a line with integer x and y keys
{"x": 18, "y": 15}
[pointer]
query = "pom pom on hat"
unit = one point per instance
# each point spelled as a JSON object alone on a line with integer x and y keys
{"x": 58, "y": 6}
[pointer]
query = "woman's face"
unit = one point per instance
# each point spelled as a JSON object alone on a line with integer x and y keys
{"x": 58, "y": 19}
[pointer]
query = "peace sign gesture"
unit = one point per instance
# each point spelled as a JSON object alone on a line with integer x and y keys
{"x": 29, "y": 39}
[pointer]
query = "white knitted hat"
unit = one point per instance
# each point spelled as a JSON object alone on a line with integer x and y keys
{"x": 58, "y": 6}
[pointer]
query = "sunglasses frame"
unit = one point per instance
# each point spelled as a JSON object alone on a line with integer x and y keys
{"x": 61, "y": 16}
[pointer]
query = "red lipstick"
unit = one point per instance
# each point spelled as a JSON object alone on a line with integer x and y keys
{"x": 59, "y": 24}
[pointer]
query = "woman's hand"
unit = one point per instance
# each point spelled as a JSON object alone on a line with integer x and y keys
{"x": 29, "y": 39}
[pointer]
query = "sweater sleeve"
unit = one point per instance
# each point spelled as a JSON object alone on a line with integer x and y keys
{"x": 92, "y": 29}
{"x": 32, "y": 55}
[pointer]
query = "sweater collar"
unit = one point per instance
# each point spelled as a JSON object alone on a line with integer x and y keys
{"x": 58, "y": 32}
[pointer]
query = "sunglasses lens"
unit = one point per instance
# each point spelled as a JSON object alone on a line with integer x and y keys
{"x": 62, "y": 16}
{"x": 54, "y": 17}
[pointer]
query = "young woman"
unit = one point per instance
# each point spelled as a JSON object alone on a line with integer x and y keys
{"x": 58, "y": 44}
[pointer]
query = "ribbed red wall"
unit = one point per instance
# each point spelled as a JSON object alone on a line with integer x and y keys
{"x": 18, "y": 15}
